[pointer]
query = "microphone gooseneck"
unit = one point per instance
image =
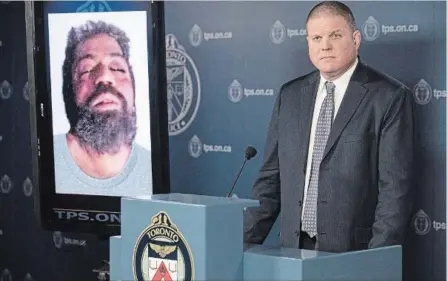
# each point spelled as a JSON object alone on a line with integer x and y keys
{"x": 250, "y": 152}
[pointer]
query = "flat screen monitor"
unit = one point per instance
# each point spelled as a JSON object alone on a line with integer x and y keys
{"x": 98, "y": 110}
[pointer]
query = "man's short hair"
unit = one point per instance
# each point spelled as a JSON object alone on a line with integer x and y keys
{"x": 76, "y": 36}
{"x": 335, "y": 8}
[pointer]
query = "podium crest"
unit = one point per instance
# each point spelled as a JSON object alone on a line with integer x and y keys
{"x": 162, "y": 253}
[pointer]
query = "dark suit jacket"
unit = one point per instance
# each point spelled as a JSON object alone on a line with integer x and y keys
{"x": 365, "y": 197}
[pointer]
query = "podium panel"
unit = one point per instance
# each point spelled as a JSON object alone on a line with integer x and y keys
{"x": 197, "y": 237}
{"x": 270, "y": 263}
{"x": 179, "y": 237}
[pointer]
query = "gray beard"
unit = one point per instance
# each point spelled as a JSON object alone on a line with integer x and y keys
{"x": 105, "y": 132}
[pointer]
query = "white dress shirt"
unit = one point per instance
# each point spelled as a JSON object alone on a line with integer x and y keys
{"x": 341, "y": 84}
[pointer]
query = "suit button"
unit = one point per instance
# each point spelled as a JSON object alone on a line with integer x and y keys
{"x": 300, "y": 203}
{"x": 297, "y": 233}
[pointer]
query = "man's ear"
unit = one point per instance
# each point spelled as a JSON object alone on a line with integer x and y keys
{"x": 357, "y": 38}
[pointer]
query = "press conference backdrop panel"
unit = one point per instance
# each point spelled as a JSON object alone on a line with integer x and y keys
{"x": 240, "y": 53}
{"x": 233, "y": 58}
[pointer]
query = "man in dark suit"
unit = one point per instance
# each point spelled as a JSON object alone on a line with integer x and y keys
{"x": 339, "y": 151}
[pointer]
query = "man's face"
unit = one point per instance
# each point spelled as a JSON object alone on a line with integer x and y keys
{"x": 332, "y": 44}
{"x": 100, "y": 65}
{"x": 104, "y": 95}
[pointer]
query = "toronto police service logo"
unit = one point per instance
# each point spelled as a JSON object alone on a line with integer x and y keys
{"x": 371, "y": 29}
{"x": 162, "y": 253}
{"x": 183, "y": 87}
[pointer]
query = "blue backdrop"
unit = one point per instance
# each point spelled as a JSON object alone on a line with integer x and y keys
{"x": 236, "y": 56}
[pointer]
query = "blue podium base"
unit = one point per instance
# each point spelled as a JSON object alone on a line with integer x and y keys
{"x": 197, "y": 237}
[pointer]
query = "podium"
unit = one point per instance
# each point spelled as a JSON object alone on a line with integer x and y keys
{"x": 198, "y": 237}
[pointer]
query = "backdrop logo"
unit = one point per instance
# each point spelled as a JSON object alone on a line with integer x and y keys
{"x": 6, "y": 275}
{"x": 94, "y": 6}
{"x": 183, "y": 87}
{"x": 421, "y": 223}
{"x": 5, "y": 90}
{"x": 196, "y": 35}
{"x": 162, "y": 252}
{"x": 5, "y": 184}
{"x": 195, "y": 147}
{"x": 27, "y": 187}
{"x": 279, "y": 33}
{"x": 422, "y": 92}
{"x": 371, "y": 29}
{"x": 58, "y": 239}
{"x": 236, "y": 92}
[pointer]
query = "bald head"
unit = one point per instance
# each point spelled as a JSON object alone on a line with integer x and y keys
{"x": 333, "y": 8}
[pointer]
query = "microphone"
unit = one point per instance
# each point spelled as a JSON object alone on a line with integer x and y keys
{"x": 250, "y": 152}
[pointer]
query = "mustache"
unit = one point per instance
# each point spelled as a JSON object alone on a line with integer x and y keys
{"x": 102, "y": 89}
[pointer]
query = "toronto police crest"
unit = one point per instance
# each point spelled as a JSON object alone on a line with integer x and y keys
{"x": 183, "y": 87}
{"x": 162, "y": 253}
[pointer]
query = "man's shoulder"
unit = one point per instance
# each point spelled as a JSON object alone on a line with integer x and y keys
{"x": 300, "y": 81}
{"x": 140, "y": 149}
{"x": 143, "y": 154}
{"x": 384, "y": 80}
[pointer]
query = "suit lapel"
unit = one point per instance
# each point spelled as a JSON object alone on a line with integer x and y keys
{"x": 307, "y": 104}
{"x": 353, "y": 96}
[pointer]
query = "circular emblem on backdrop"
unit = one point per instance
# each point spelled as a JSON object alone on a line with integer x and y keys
{"x": 183, "y": 87}
{"x": 5, "y": 184}
{"x": 422, "y": 92}
{"x": 235, "y": 91}
{"x": 162, "y": 253}
{"x": 5, "y": 90}
{"x": 371, "y": 29}
{"x": 195, "y": 147}
{"x": 58, "y": 240}
{"x": 27, "y": 187}
{"x": 421, "y": 223}
{"x": 195, "y": 36}
{"x": 278, "y": 32}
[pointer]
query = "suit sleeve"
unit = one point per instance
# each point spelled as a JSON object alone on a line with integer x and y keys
{"x": 258, "y": 221}
{"x": 395, "y": 169}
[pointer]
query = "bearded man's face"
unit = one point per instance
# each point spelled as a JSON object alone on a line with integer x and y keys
{"x": 104, "y": 96}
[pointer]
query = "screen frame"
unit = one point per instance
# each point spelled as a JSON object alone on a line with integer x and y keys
{"x": 45, "y": 197}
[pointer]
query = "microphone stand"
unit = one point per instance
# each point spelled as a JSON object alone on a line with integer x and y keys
{"x": 239, "y": 173}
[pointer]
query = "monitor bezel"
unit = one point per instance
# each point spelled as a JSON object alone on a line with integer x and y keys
{"x": 46, "y": 199}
